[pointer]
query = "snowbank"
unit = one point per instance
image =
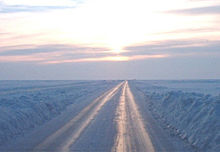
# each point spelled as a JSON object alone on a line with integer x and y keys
{"x": 23, "y": 110}
{"x": 194, "y": 117}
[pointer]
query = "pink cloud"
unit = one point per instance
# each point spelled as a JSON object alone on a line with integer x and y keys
{"x": 20, "y": 58}
{"x": 109, "y": 58}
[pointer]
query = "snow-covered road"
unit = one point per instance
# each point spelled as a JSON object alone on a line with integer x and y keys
{"x": 63, "y": 138}
{"x": 131, "y": 136}
{"x": 115, "y": 121}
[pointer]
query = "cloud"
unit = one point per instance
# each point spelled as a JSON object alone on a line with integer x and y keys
{"x": 205, "y": 0}
{"x": 51, "y": 48}
{"x": 41, "y": 2}
{"x": 57, "y": 53}
{"x": 20, "y": 59}
{"x": 3, "y": 33}
{"x": 197, "y": 11}
{"x": 15, "y": 6}
{"x": 191, "y": 30}
{"x": 109, "y": 59}
{"x": 176, "y": 48}
{"x": 167, "y": 44}
{"x": 63, "y": 53}
{"x": 51, "y": 52}
{"x": 23, "y": 8}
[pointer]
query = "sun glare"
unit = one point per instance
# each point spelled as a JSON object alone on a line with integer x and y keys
{"x": 116, "y": 50}
{"x": 110, "y": 25}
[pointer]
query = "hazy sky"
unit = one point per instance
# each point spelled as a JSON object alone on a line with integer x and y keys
{"x": 109, "y": 39}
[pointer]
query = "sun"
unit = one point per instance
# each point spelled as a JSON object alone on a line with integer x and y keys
{"x": 116, "y": 51}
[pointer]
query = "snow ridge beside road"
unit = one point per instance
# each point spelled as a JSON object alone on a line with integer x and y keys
{"x": 194, "y": 117}
{"x": 23, "y": 109}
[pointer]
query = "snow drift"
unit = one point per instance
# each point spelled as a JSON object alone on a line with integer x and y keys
{"x": 194, "y": 117}
{"x": 28, "y": 106}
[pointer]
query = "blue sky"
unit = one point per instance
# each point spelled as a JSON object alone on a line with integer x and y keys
{"x": 117, "y": 39}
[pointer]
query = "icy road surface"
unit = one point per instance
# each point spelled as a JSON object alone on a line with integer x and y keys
{"x": 112, "y": 122}
{"x": 132, "y": 135}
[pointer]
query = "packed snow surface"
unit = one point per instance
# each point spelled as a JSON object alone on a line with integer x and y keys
{"x": 190, "y": 109}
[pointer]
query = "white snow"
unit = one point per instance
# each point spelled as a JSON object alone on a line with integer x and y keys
{"x": 190, "y": 109}
{"x": 187, "y": 110}
{"x": 25, "y": 105}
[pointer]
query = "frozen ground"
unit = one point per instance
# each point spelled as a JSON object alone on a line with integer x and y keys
{"x": 110, "y": 116}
